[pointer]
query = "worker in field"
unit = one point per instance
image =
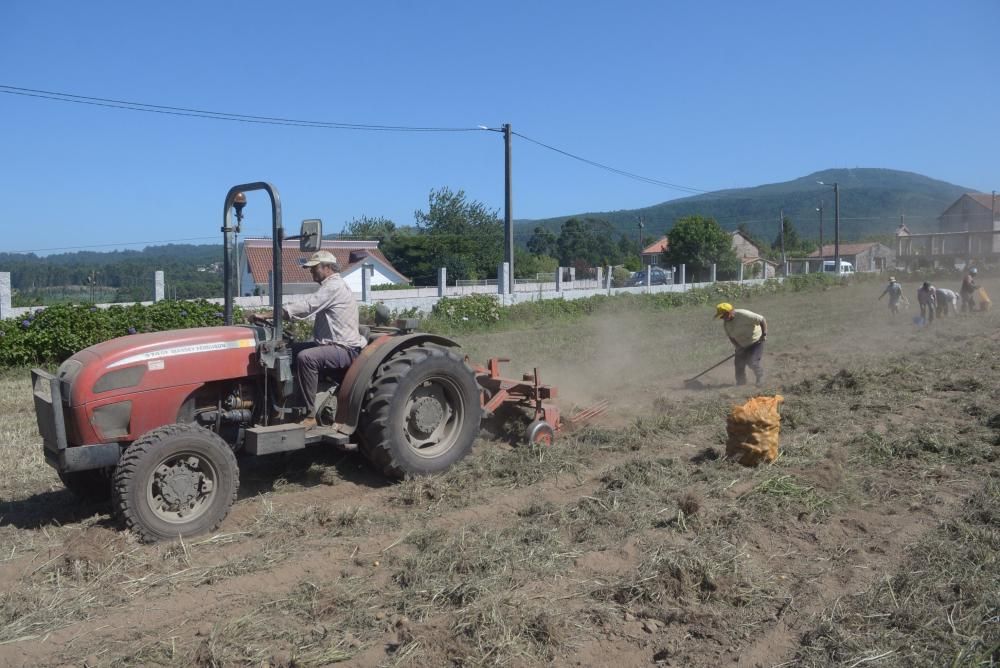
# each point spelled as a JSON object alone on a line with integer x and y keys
{"x": 747, "y": 331}
{"x": 927, "y": 298}
{"x": 947, "y": 301}
{"x": 337, "y": 340}
{"x": 895, "y": 292}
{"x": 968, "y": 290}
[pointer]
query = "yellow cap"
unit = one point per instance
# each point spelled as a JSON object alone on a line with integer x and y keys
{"x": 722, "y": 309}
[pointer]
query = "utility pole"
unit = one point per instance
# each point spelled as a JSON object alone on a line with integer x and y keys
{"x": 821, "y": 256}
{"x": 993, "y": 222}
{"x": 836, "y": 227}
{"x": 781, "y": 224}
{"x": 640, "y": 234}
{"x": 508, "y": 223}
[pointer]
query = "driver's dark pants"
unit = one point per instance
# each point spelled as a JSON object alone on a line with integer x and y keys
{"x": 310, "y": 359}
{"x": 750, "y": 356}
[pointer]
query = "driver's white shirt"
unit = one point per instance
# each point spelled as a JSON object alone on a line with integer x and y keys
{"x": 335, "y": 310}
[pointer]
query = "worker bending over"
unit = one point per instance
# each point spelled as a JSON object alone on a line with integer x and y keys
{"x": 747, "y": 331}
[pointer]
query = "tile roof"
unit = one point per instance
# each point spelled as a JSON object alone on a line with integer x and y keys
{"x": 845, "y": 249}
{"x": 986, "y": 199}
{"x": 349, "y": 254}
{"x": 659, "y": 247}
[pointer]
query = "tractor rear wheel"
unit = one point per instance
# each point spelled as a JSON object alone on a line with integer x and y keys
{"x": 176, "y": 481}
{"x": 422, "y": 412}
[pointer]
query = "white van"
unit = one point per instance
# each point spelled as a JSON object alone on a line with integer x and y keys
{"x": 845, "y": 267}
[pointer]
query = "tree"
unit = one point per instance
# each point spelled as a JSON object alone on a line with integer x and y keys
{"x": 449, "y": 213}
{"x": 370, "y": 228}
{"x": 543, "y": 242}
{"x": 699, "y": 243}
{"x": 795, "y": 246}
{"x": 528, "y": 265}
{"x": 463, "y": 236}
{"x": 631, "y": 253}
{"x": 792, "y": 239}
{"x": 419, "y": 256}
{"x": 590, "y": 241}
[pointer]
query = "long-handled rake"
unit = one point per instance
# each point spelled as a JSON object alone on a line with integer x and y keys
{"x": 693, "y": 383}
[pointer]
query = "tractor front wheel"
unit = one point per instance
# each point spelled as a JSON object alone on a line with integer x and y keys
{"x": 176, "y": 481}
{"x": 422, "y": 413}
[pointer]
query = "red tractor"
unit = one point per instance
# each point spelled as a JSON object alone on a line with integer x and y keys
{"x": 158, "y": 421}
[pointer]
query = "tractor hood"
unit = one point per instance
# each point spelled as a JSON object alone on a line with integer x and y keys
{"x": 159, "y": 359}
{"x": 174, "y": 343}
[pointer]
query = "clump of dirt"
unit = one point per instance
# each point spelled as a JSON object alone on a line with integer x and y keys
{"x": 93, "y": 547}
{"x": 689, "y": 503}
{"x": 828, "y": 473}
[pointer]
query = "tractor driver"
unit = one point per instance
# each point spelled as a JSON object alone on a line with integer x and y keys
{"x": 336, "y": 339}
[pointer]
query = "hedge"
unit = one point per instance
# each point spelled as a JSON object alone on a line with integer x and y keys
{"x": 49, "y": 336}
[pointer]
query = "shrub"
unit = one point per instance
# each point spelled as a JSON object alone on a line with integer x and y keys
{"x": 51, "y": 335}
{"x": 466, "y": 312}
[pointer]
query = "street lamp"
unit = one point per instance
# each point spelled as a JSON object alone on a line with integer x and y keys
{"x": 836, "y": 224}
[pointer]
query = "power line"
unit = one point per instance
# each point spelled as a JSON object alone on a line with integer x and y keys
{"x": 219, "y": 115}
{"x": 615, "y": 170}
{"x": 271, "y": 120}
{"x": 129, "y": 105}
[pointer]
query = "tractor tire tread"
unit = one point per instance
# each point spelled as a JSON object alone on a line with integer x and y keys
{"x": 132, "y": 458}
{"x": 376, "y": 426}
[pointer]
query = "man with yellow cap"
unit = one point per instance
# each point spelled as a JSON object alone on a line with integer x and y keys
{"x": 747, "y": 331}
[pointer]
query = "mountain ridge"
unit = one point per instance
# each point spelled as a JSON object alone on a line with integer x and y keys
{"x": 872, "y": 202}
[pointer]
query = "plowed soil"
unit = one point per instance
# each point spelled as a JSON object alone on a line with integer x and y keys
{"x": 632, "y": 541}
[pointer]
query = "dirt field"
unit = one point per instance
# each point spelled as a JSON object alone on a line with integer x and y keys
{"x": 872, "y": 541}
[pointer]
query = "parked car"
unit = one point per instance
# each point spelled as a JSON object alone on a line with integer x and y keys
{"x": 658, "y": 276}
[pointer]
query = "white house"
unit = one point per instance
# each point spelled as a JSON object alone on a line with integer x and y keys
{"x": 352, "y": 255}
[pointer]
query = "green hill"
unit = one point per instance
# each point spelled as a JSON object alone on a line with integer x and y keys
{"x": 191, "y": 271}
{"x": 871, "y": 202}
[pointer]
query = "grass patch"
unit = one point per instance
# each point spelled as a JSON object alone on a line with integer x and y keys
{"x": 924, "y": 444}
{"x": 939, "y": 609}
{"x": 786, "y": 491}
{"x": 454, "y": 569}
{"x": 704, "y": 570}
{"x": 315, "y": 521}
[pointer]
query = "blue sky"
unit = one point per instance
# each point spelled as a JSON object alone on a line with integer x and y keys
{"x": 708, "y": 95}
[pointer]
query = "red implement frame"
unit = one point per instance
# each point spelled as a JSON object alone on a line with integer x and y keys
{"x": 529, "y": 393}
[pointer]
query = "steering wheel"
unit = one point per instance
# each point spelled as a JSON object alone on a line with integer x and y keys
{"x": 286, "y": 335}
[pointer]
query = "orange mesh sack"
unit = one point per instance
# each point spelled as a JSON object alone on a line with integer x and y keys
{"x": 753, "y": 431}
{"x": 983, "y": 299}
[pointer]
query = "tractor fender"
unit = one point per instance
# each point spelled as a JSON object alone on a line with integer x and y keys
{"x": 358, "y": 378}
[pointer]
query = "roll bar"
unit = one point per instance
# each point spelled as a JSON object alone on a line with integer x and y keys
{"x": 278, "y": 234}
